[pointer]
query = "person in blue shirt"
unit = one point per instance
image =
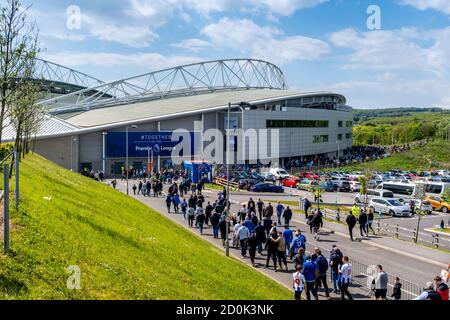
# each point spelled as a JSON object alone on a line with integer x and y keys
{"x": 280, "y": 209}
{"x": 309, "y": 271}
{"x": 297, "y": 243}
{"x": 249, "y": 224}
{"x": 322, "y": 266}
{"x": 288, "y": 235}
{"x": 176, "y": 202}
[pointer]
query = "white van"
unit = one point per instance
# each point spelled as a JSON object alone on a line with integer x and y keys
{"x": 279, "y": 173}
{"x": 436, "y": 188}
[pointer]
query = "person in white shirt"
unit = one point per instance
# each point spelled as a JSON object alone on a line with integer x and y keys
{"x": 346, "y": 277}
{"x": 243, "y": 235}
{"x": 298, "y": 282}
{"x": 243, "y": 213}
{"x": 235, "y": 241}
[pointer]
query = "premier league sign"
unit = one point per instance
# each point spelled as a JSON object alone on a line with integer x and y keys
{"x": 140, "y": 144}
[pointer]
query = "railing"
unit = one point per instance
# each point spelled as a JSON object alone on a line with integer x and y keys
{"x": 223, "y": 182}
{"x": 426, "y": 238}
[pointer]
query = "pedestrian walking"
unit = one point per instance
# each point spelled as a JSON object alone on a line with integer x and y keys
{"x": 370, "y": 218}
{"x": 322, "y": 268}
{"x": 298, "y": 283}
{"x": 280, "y": 209}
{"x": 191, "y": 216}
{"x": 287, "y": 215}
{"x": 272, "y": 247}
{"x": 252, "y": 244}
{"x": 381, "y": 283}
{"x": 335, "y": 264}
{"x": 243, "y": 234}
{"x": 397, "y": 291}
{"x": 351, "y": 222}
{"x": 215, "y": 221}
{"x": 309, "y": 271}
{"x": 281, "y": 252}
{"x": 362, "y": 219}
{"x": 306, "y": 205}
{"x": 346, "y": 277}
{"x": 200, "y": 218}
{"x": 260, "y": 206}
{"x": 168, "y": 202}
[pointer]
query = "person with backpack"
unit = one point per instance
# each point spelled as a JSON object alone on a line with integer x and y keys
{"x": 298, "y": 282}
{"x": 322, "y": 268}
{"x": 309, "y": 271}
{"x": 351, "y": 223}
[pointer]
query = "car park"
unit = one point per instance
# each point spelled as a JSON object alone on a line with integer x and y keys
{"x": 438, "y": 203}
{"x": 392, "y": 207}
{"x": 267, "y": 187}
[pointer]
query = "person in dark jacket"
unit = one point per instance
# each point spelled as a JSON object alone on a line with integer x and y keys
{"x": 316, "y": 223}
{"x": 252, "y": 244}
{"x": 223, "y": 229}
{"x": 397, "y": 291}
{"x": 208, "y": 212}
{"x": 322, "y": 267}
{"x": 261, "y": 235}
{"x": 351, "y": 222}
{"x": 287, "y": 215}
{"x": 168, "y": 202}
{"x": 272, "y": 247}
{"x": 362, "y": 219}
{"x": 307, "y": 205}
{"x": 370, "y": 217}
{"x": 215, "y": 220}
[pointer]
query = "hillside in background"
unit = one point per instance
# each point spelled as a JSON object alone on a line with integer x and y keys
{"x": 401, "y": 126}
{"x": 124, "y": 249}
{"x": 433, "y": 156}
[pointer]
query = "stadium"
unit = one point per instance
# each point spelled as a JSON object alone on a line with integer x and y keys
{"x": 88, "y": 121}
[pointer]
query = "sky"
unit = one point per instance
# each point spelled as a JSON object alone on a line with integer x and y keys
{"x": 378, "y": 53}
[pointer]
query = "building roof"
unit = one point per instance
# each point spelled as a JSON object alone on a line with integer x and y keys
{"x": 177, "y": 106}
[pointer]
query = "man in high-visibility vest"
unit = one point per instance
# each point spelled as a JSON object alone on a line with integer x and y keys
{"x": 355, "y": 210}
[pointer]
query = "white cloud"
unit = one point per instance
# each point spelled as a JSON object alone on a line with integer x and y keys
{"x": 438, "y": 5}
{"x": 162, "y": 8}
{"x": 404, "y": 49}
{"x": 246, "y": 37}
{"x": 145, "y": 61}
{"x": 194, "y": 45}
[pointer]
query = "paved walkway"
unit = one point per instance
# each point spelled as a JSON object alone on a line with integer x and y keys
{"x": 282, "y": 277}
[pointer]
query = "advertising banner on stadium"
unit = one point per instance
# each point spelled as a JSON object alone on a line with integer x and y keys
{"x": 140, "y": 144}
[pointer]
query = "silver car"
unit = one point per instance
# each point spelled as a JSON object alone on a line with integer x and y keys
{"x": 392, "y": 207}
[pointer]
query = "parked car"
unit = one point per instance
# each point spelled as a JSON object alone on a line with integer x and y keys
{"x": 359, "y": 198}
{"x": 267, "y": 187}
{"x": 257, "y": 176}
{"x": 392, "y": 207}
{"x": 290, "y": 182}
{"x": 423, "y": 205}
{"x": 279, "y": 173}
{"x": 310, "y": 175}
{"x": 438, "y": 203}
{"x": 344, "y": 187}
{"x": 355, "y": 186}
{"x": 268, "y": 177}
{"x": 328, "y": 186}
{"x": 307, "y": 185}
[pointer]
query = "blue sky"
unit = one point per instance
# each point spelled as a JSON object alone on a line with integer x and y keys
{"x": 319, "y": 44}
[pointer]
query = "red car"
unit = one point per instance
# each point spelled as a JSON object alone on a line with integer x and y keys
{"x": 310, "y": 175}
{"x": 290, "y": 182}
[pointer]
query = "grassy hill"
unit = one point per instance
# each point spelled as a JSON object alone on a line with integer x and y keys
{"x": 435, "y": 155}
{"x": 124, "y": 249}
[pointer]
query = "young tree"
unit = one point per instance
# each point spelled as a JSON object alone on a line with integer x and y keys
{"x": 18, "y": 44}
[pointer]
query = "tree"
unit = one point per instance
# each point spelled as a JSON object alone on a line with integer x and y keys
{"x": 18, "y": 44}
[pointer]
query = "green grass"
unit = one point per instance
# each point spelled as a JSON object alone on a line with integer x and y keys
{"x": 435, "y": 155}
{"x": 124, "y": 249}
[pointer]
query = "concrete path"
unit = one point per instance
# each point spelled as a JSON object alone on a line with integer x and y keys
{"x": 282, "y": 277}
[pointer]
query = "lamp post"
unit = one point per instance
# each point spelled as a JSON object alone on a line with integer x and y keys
{"x": 71, "y": 152}
{"x": 227, "y": 231}
{"x": 127, "y": 169}
{"x": 104, "y": 134}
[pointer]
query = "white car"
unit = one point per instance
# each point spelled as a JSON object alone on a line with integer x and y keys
{"x": 423, "y": 205}
{"x": 392, "y": 207}
{"x": 279, "y": 173}
{"x": 355, "y": 186}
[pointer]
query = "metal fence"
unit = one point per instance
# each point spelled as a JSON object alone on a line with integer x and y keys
{"x": 430, "y": 239}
